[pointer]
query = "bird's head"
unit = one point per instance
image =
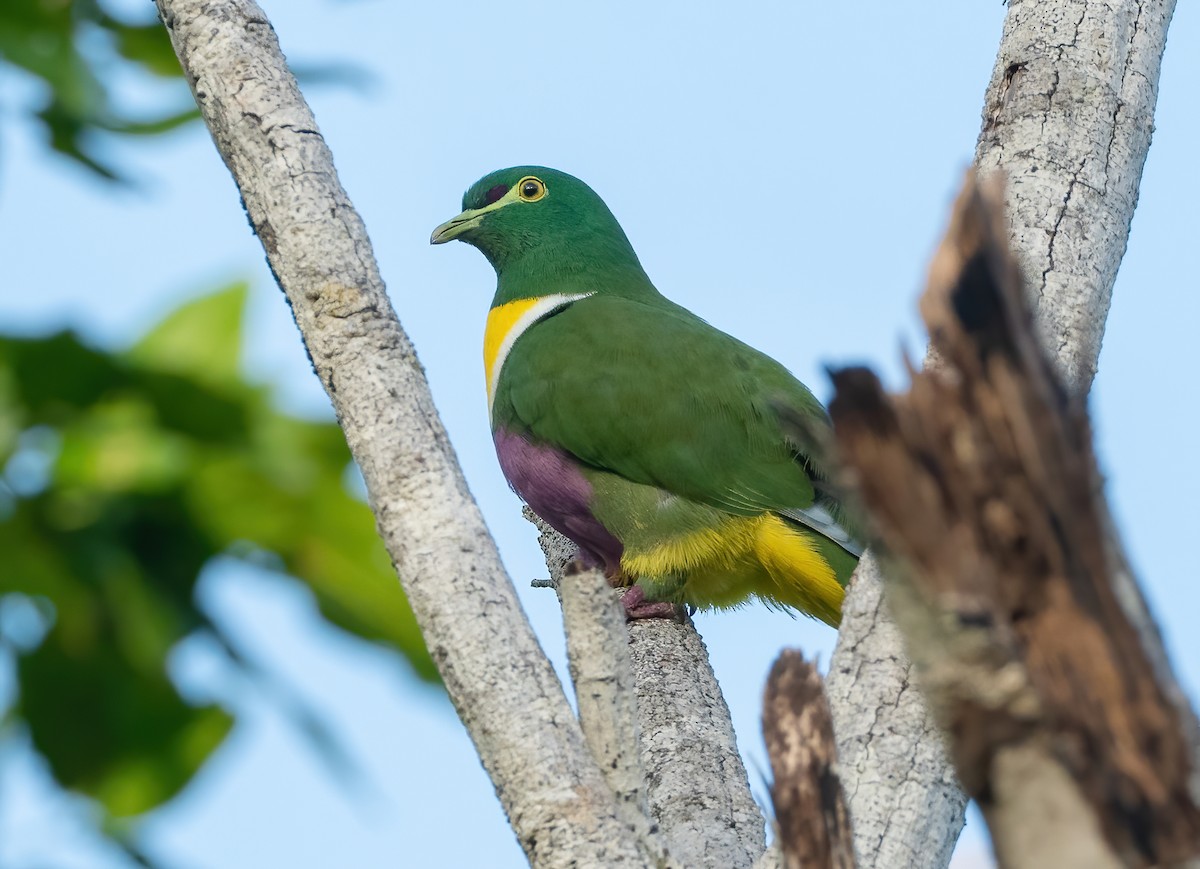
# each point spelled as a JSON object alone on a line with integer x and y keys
{"x": 540, "y": 218}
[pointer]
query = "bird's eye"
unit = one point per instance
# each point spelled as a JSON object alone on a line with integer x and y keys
{"x": 531, "y": 189}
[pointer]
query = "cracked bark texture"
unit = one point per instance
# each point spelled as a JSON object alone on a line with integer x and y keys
{"x": 696, "y": 785}
{"x": 981, "y": 482}
{"x": 501, "y": 683}
{"x": 904, "y": 800}
{"x": 1067, "y": 117}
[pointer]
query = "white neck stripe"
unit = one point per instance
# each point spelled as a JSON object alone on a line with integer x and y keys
{"x": 544, "y": 306}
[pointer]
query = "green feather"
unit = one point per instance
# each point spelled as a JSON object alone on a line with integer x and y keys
{"x": 679, "y": 428}
{"x": 651, "y": 392}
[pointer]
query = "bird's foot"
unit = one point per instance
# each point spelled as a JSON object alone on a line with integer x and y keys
{"x": 637, "y": 607}
{"x": 634, "y": 598}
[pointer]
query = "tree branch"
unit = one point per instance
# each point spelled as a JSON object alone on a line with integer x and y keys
{"x": 981, "y": 478}
{"x": 503, "y": 687}
{"x": 699, "y": 796}
{"x": 698, "y": 789}
{"x": 810, "y": 808}
{"x": 602, "y": 673}
{"x": 1067, "y": 116}
{"x": 905, "y": 801}
{"x": 598, "y": 652}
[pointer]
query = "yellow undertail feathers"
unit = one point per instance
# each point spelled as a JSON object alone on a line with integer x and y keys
{"x": 779, "y": 562}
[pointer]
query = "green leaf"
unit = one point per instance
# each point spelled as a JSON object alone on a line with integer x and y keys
{"x": 119, "y": 446}
{"x": 162, "y": 459}
{"x": 153, "y": 126}
{"x": 52, "y": 378}
{"x": 203, "y": 339}
{"x": 146, "y": 45}
{"x": 122, "y": 736}
{"x": 152, "y": 463}
{"x": 43, "y": 38}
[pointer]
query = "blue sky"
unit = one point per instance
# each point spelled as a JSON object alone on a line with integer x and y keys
{"x": 782, "y": 169}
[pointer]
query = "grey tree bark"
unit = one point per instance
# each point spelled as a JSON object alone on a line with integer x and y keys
{"x": 546, "y": 772}
{"x": 505, "y": 691}
{"x": 695, "y": 783}
{"x": 1084, "y": 75}
{"x": 905, "y": 802}
{"x": 1067, "y": 116}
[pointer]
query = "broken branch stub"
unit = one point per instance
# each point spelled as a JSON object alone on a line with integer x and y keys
{"x": 981, "y": 484}
{"x": 810, "y": 808}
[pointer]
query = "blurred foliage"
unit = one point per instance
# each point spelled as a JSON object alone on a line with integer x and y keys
{"x": 78, "y": 49}
{"x": 124, "y": 475}
{"x": 75, "y": 47}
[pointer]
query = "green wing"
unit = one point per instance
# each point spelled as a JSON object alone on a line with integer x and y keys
{"x": 653, "y": 393}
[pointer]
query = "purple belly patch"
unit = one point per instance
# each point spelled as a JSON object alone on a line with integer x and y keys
{"x": 549, "y": 481}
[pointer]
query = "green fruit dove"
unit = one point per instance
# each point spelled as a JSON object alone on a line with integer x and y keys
{"x": 652, "y": 440}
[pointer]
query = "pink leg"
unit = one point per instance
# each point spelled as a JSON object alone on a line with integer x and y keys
{"x": 637, "y": 607}
{"x": 634, "y": 599}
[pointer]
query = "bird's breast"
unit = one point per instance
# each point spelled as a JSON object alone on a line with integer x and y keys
{"x": 506, "y": 323}
{"x": 550, "y": 481}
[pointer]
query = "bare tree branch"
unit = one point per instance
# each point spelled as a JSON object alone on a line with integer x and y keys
{"x": 503, "y": 687}
{"x": 602, "y": 673}
{"x": 982, "y": 480}
{"x": 1068, "y": 116}
{"x": 905, "y": 801}
{"x": 696, "y": 784}
{"x": 810, "y": 808}
{"x": 598, "y": 652}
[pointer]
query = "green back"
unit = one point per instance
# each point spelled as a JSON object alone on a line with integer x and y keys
{"x": 648, "y": 390}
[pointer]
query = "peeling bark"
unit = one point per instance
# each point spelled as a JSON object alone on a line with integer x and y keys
{"x": 981, "y": 481}
{"x": 810, "y": 808}
{"x": 1067, "y": 116}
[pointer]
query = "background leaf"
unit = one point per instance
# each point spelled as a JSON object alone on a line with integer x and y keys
{"x": 122, "y": 476}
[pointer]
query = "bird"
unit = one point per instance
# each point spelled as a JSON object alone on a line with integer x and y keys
{"x": 665, "y": 449}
